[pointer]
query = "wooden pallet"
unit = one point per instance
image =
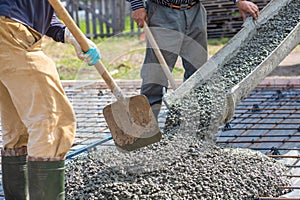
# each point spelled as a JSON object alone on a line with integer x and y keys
{"x": 223, "y": 17}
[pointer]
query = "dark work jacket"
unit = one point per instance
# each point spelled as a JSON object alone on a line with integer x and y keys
{"x": 38, "y": 14}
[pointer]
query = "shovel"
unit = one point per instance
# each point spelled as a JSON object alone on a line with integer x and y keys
{"x": 130, "y": 119}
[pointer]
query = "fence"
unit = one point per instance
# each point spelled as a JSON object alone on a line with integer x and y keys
{"x": 100, "y": 18}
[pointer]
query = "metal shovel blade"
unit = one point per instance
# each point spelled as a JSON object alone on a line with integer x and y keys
{"x": 132, "y": 123}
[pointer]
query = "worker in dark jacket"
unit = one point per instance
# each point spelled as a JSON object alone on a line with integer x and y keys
{"x": 179, "y": 27}
{"x": 38, "y": 122}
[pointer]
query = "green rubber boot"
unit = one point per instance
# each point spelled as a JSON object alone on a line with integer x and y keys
{"x": 14, "y": 177}
{"x": 46, "y": 180}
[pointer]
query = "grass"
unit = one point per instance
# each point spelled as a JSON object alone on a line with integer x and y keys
{"x": 103, "y": 28}
{"x": 122, "y": 56}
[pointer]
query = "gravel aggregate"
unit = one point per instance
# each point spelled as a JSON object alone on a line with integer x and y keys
{"x": 179, "y": 167}
{"x": 185, "y": 164}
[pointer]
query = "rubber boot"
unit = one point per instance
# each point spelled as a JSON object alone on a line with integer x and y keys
{"x": 46, "y": 180}
{"x": 14, "y": 177}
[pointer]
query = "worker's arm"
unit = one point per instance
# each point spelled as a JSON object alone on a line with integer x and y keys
{"x": 139, "y": 13}
{"x": 247, "y": 7}
{"x": 56, "y": 30}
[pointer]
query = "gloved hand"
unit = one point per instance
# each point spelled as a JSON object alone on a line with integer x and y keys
{"x": 91, "y": 57}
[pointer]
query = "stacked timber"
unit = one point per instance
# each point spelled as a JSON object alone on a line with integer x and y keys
{"x": 223, "y": 17}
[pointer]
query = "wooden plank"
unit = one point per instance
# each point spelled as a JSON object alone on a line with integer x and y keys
{"x": 100, "y": 10}
{"x": 106, "y": 20}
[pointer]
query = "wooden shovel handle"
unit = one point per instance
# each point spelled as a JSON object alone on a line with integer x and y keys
{"x": 82, "y": 40}
{"x": 159, "y": 56}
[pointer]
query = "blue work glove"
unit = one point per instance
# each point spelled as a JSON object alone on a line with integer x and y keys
{"x": 91, "y": 57}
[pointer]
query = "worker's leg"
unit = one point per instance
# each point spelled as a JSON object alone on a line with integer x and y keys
{"x": 36, "y": 92}
{"x": 50, "y": 121}
{"x": 194, "y": 47}
{"x": 49, "y": 118}
{"x": 165, "y": 25}
{"x": 14, "y": 159}
{"x": 154, "y": 94}
{"x": 14, "y": 133}
{"x": 154, "y": 79}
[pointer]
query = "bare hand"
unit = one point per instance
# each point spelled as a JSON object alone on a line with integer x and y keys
{"x": 139, "y": 16}
{"x": 248, "y": 7}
